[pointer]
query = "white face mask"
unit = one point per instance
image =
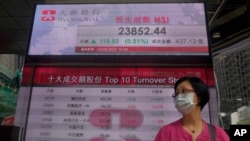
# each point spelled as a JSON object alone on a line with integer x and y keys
{"x": 184, "y": 103}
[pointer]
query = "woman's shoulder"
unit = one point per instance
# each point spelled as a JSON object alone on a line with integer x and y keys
{"x": 172, "y": 124}
{"x": 219, "y": 129}
{"x": 168, "y": 131}
{"x": 221, "y": 133}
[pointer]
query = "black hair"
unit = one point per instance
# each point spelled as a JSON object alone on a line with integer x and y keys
{"x": 199, "y": 87}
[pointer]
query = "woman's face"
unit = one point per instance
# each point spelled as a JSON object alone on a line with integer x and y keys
{"x": 184, "y": 88}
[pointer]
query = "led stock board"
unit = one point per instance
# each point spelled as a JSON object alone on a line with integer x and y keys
{"x": 87, "y": 104}
{"x": 119, "y": 29}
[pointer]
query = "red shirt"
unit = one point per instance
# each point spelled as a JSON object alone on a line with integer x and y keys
{"x": 175, "y": 132}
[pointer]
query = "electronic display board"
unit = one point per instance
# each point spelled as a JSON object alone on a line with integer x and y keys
{"x": 119, "y": 29}
{"x": 93, "y": 104}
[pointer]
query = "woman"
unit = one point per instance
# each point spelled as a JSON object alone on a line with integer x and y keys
{"x": 191, "y": 95}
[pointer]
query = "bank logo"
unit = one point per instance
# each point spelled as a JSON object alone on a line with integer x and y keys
{"x": 48, "y": 15}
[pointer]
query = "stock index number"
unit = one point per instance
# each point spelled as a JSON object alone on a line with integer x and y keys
{"x": 142, "y": 31}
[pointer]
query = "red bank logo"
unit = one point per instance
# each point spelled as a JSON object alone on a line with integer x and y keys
{"x": 48, "y": 15}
